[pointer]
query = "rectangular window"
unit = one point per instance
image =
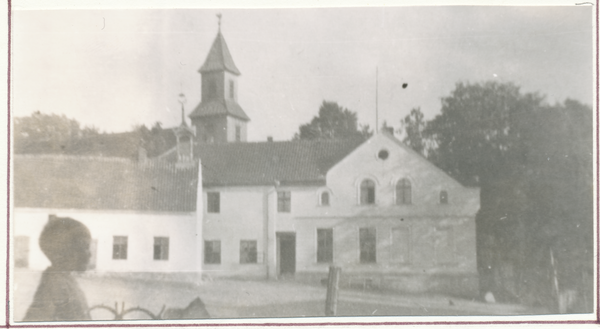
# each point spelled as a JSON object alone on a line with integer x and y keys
{"x": 400, "y": 245}
{"x": 284, "y": 201}
{"x": 119, "y": 247}
{"x": 161, "y": 248}
{"x": 248, "y": 252}
{"x": 231, "y": 89}
{"x": 444, "y": 245}
{"x": 238, "y": 133}
{"x": 213, "y": 200}
{"x": 368, "y": 245}
{"x": 324, "y": 245}
{"x": 212, "y": 252}
{"x": 21, "y": 251}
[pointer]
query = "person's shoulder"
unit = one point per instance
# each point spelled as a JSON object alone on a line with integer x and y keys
{"x": 55, "y": 282}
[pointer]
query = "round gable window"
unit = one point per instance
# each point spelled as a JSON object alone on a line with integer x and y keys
{"x": 383, "y": 154}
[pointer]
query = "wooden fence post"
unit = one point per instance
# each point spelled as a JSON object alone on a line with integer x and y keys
{"x": 333, "y": 285}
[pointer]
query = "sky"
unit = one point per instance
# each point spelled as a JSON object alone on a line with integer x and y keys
{"x": 115, "y": 69}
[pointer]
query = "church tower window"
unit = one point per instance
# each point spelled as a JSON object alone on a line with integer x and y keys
{"x": 212, "y": 89}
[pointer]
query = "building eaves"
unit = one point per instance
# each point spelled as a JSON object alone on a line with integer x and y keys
{"x": 219, "y": 107}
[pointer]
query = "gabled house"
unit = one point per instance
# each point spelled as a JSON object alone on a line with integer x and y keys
{"x": 377, "y": 209}
{"x": 222, "y": 206}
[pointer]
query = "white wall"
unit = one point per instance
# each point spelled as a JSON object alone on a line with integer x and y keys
{"x": 427, "y": 181}
{"x": 140, "y": 228}
{"x": 242, "y": 216}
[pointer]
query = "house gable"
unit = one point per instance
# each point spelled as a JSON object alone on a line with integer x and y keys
{"x": 386, "y": 161}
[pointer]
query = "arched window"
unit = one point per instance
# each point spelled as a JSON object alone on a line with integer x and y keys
{"x": 444, "y": 197}
{"x": 367, "y": 192}
{"x": 403, "y": 192}
{"x": 324, "y": 198}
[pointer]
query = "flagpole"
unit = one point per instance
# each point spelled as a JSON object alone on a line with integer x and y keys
{"x": 376, "y": 99}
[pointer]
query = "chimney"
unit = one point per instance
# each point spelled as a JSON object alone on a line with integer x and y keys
{"x": 269, "y": 138}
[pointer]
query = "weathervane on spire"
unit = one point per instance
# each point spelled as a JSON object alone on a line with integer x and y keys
{"x": 219, "y": 17}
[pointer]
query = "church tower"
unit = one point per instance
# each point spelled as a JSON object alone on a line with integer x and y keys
{"x": 219, "y": 118}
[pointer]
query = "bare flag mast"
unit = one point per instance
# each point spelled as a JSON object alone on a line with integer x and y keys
{"x": 376, "y": 99}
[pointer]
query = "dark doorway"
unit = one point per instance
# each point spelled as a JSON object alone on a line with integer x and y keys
{"x": 286, "y": 253}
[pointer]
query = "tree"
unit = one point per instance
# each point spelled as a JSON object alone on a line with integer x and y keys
{"x": 478, "y": 129}
{"x": 560, "y": 198}
{"x": 533, "y": 164}
{"x": 333, "y": 122}
{"x": 41, "y": 132}
{"x": 479, "y": 140}
{"x": 413, "y": 126}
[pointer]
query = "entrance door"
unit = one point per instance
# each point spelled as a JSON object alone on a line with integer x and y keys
{"x": 286, "y": 253}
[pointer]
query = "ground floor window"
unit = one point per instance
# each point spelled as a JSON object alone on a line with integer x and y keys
{"x": 248, "y": 252}
{"x": 212, "y": 252}
{"x": 368, "y": 245}
{"x": 324, "y": 245}
{"x": 120, "y": 247}
{"x": 161, "y": 248}
{"x": 22, "y": 251}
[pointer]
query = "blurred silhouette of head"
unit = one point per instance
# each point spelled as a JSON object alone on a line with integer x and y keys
{"x": 66, "y": 243}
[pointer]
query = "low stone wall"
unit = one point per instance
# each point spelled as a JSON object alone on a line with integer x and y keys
{"x": 459, "y": 285}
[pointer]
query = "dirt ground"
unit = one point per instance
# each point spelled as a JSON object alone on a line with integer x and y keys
{"x": 254, "y": 299}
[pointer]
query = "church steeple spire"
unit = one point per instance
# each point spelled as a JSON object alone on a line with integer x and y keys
{"x": 219, "y": 58}
{"x": 219, "y": 118}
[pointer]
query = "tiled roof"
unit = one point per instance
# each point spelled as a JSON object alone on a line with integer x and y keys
{"x": 219, "y": 107}
{"x": 122, "y": 145}
{"x": 289, "y": 163}
{"x": 219, "y": 58}
{"x": 70, "y": 182}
